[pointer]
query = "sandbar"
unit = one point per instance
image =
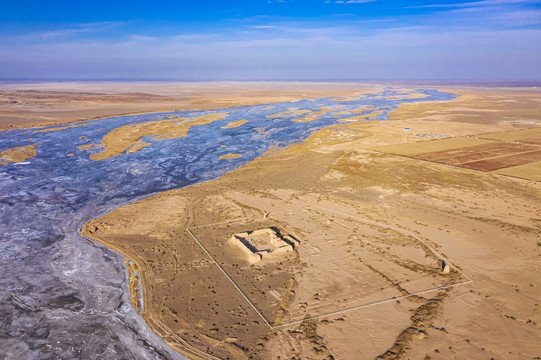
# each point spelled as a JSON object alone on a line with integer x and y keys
{"x": 353, "y": 204}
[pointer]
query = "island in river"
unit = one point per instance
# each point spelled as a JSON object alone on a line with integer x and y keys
{"x": 374, "y": 222}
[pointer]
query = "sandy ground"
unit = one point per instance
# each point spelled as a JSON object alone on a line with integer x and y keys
{"x": 40, "y": 104}
{"x": 371, "y": 227}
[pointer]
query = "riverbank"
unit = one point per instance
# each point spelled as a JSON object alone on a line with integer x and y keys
{"x": 71, "y": 292}
{"x": 43, "y": 104}
{"x": 485, "y": 224}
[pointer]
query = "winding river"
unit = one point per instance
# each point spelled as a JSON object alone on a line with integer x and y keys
{"x": 63, "y": 297}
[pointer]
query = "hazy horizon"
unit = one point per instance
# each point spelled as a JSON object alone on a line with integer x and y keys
{"x": 471, "y": 82}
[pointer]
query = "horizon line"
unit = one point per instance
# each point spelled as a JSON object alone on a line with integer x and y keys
{"x": 532, "y": 83}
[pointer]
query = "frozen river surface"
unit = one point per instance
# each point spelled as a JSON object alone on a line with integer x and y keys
{"x": 62, "y": 297}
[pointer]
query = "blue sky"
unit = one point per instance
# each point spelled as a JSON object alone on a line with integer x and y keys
{"x": 271, "y": 39}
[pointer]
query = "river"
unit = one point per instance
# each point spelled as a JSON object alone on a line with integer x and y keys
{"x": 63, "y": 297}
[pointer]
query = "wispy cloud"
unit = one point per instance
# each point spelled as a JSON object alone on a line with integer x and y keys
{"x": 75, "y": 30}
{"x": 303, "y": 52}
{"x": 482, "y": 3}
{"x": 495, "y": 14}
{"x": 487, "y": 39}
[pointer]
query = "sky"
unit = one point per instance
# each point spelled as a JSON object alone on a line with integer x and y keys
{"x": 487, "y": 40}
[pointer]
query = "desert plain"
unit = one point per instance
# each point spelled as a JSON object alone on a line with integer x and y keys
{"x": 413, "y": 237}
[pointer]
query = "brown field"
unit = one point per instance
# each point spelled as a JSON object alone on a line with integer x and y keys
{"x": 504, "y": 161}
{"x": 354, "y": 286}
{"x": 484, "y": 152}
{"x": 473, "y": 153}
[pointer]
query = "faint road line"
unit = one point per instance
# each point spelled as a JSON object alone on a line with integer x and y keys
{"x": 230, "y": 279}
{"x": 397, "y": 229}
{"x": 363, "y": 220}
{"x": 369, "y": 304}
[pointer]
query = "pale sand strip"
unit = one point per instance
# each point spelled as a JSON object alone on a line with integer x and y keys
{"x": 531, "y": 171}
{"x": 514, "y": 135}
{"x": 432, "y": 145}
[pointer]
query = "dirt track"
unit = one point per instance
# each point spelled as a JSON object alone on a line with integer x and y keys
{"x": 468, "y": 216}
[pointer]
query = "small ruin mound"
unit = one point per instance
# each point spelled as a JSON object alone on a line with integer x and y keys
{"x": 263, "y": 244}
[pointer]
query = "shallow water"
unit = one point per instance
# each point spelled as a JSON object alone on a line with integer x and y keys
{"x": 63, "y": 297}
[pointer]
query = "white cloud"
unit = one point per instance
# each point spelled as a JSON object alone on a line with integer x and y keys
{"x": 74, "y": 30}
